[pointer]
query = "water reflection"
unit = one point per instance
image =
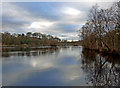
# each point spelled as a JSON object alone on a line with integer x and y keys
{"x": 101, "y": 70}
{"x": 7, "y": 52}
{"x": 43, "y": 67}
{"x": 71, "y": 66}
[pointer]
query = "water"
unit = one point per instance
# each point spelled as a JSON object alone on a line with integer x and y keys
{"x": 71, "y": 66}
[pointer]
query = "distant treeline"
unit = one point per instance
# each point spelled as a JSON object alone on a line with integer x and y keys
{"x": 102, "y": 29}
{"x": 31, "y": 39}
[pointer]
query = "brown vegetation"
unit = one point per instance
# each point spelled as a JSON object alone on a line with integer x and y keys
{"x": 28, "y": 39}
{"x": 102, "y": 30}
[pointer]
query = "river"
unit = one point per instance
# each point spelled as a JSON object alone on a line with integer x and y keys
{"x": 73, "y": 66}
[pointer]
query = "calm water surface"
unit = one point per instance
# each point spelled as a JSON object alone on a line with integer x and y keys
{"x": 71, "y": 66}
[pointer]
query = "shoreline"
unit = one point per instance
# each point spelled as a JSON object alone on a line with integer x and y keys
{"x": 44, "y": 47}
{"x": 104, "y": 52}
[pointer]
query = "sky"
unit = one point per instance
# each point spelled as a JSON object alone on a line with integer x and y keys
{"x": 61, "y": 19}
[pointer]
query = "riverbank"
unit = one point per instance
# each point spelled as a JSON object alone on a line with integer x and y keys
{"x": 104, "y": 52}
{"x": 20, "y": 46}
{"x": 28, "y": 48}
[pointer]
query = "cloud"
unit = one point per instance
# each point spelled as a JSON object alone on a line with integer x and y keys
{"x": 16, "y": 18}
{"x": 71, "y": 11}
{"x": 59, "y": 0}
{"x": 40, "y": 24}
{"x": 61, "y": 19}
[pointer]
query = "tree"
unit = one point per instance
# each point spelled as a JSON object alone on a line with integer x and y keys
{"x": 29, "y": 34}
{"x": 102, "y": 29}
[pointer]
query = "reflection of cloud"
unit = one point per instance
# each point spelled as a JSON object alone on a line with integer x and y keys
{"x": 28, "y": 67}
{"x": 34, "y": 63}
{"x": 72, "y": 72}
{"x": 0, "y": 70}
{"x": 42, "y": 64}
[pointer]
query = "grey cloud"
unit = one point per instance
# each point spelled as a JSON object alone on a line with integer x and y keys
{"x": 18, "y": 17}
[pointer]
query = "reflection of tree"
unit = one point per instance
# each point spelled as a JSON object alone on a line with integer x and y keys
{"x": 101, "y": 70}
{"x": 5, "y": 54}
{"x": 28, "y": 52}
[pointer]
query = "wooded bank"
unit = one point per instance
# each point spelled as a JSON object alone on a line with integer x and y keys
{"x": 101, "y": 32}
{"x": 33, "y": 40}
